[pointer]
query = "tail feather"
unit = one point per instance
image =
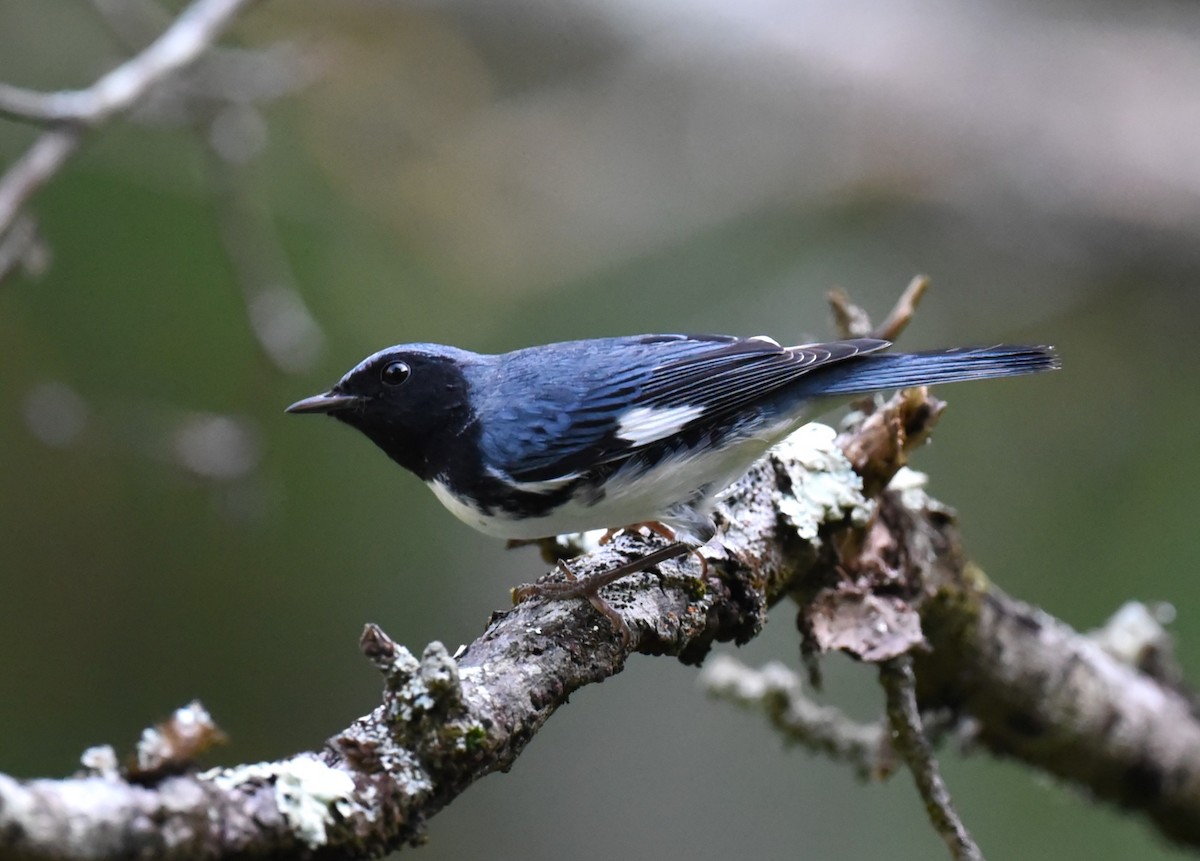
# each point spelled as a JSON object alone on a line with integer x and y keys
{"x": 878, "y": 371}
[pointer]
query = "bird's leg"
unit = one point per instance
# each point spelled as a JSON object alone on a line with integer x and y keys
{"x": 589, "y": 587}
{"x": 657, "y": 528}
{"x": 576, "y": 587}
{"x": 605, "y": 609}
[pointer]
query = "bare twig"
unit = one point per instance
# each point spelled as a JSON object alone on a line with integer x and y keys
{"x": 195, "y": 30}
{"x": 778, "y": 693}
{"x": 902, "y": 312}
{"x": 22, "y": 247}
{"x": 851, "y": 321}
{"x": 1042, "y": 693}
{"x": 908, "y": 736}
{"x": 31, "y": 171}
{"x": 282, "y": 324}
{"x": 223, "y": 74}
{"x": 72, "y": 113}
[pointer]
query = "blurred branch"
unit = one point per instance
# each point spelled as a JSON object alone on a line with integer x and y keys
{"x": 71, "y": 114}
{"x": 34, "y": 169}
{"x": 195, "y": 30}
{"x": 22, "y": 247}
{"x": 217, "y": 99}
{"x": 796, "y": 525}
{"x": 284, "y": 328}
{"x": 868, "y": 748}
{"x": 778, "y": 692}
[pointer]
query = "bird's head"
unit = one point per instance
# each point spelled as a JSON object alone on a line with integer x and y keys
{"x": 410, "y": 400}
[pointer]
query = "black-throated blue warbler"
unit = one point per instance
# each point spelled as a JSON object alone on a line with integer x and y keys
{"x": 610, "y": 432}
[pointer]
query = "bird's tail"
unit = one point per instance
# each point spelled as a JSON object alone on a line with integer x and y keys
{"x": 877, "y": 371}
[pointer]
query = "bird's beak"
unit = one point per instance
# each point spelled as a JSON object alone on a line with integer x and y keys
{"x": 330, "y": 402}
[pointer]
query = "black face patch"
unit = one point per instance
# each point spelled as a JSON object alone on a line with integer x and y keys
{"x": 414, "y": 406}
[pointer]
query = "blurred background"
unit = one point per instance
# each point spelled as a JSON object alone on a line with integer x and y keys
{"x": 346, "y": 176}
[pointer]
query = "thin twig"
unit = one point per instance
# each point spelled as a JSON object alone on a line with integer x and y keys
{"x": 34, "y": 169}
{"x": 282, "y": 324}
{"x": 71, "y": 113}
{"x": 908, "y": 736}
{"x": 850, "y": 320}
{"x": 902, "y": 312}
{"x": 778, "y": 693}
{"x": 22, "y": 247}
{"x": 192, "y": 33}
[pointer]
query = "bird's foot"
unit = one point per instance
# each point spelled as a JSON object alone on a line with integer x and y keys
{"x": 657, "y": 528}
{"x": 589, "y": 587}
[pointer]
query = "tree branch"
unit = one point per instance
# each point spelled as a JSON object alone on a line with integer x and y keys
{"x": 195, "y": 30}
{"x": 778, "y": 692}
{"x": 44, "y": 158}
{"x": 798, "y": 524}
{"x": 72, "y": 113}
{"x": 908, "y": 735}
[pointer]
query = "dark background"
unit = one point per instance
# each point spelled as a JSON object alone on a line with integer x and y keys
{"x": 496, "y": 175}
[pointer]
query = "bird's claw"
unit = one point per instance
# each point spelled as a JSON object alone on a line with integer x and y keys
{"x": 589, "y": 587}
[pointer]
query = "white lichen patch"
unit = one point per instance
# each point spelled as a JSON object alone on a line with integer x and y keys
{"x": 825, "y": 488}
{"x": 910, "y": 484}
{"x": 101, "y": 761}
{"x": 413, "y": 700}
{"x": 410, "y": 779}
{"x": 404, "y": 664}
{"x": 307, "y": 791}
{"x": 435, "y": 681}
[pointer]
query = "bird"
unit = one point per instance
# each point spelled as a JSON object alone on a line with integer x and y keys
{"x": 604, "y": 433}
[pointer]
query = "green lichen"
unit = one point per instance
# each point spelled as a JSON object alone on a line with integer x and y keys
{"x": 475, "y": 739}
{"x": 461, "y": 737}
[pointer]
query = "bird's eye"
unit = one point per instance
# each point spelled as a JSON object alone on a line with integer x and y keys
{"x": 394, "y": 373}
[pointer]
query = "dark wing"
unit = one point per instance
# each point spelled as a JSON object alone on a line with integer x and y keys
{"x": 605, "y": 401}
{"x": 740, "y": 374}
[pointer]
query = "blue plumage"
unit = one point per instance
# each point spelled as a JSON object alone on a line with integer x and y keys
{"x": 607, "y": 432}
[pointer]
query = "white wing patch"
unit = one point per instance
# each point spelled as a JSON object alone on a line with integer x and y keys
{"x": 548, "y": 486}
{"x": 644, "y": 425}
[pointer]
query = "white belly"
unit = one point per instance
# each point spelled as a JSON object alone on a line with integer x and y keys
{"x": 693, "y": 479}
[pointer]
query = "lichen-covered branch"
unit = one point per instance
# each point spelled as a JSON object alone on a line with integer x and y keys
{"x": 1050, "y": 697}
{"x": 872, "y": 576}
